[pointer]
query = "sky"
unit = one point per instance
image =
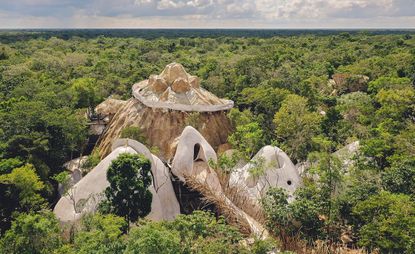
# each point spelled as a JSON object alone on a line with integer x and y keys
{"x": 207, "y": 14}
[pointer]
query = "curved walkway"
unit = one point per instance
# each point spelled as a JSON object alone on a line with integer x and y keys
{"x": 180, "y": 107}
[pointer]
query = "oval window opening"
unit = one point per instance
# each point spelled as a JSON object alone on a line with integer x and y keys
{"x": 289, "y": 182}
{"x": 196, "y": 150}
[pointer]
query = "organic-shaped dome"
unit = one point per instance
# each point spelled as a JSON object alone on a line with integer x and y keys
{"x": 175, "y": 89}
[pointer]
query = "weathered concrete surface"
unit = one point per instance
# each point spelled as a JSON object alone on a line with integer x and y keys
{"x": 181, "y": 102}
{"x": 162, "y": 106}
{"x": 277, "y": 170}
{"x": 109, "y": 107}
{"x": 85, "y": 195}
{"x": 175, "y": 89}
{"x": 190, "y": 165}
{"x": 161, "y": 127}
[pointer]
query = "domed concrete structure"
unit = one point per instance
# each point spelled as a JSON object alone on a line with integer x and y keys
{"x": 277, "y": 170}
{"x": 191, "y": 166}
{"x": 86, "y": 194}
{"x": 163, "y": 105}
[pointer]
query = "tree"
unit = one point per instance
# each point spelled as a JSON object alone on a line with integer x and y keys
{"x": 135, "y": 133}
{"x": 327, "y": 169}
{"x": 263, "y": 99}
{"x": 32, "y": 234}
{"x": 201, "y": 231}
{"x": 247, "y": 138}
{"x": 100, "y": 234}
{"x": 395, "y": 104}
{"x": 388, "y": 83}
{"x": 128, "y": 195}
{"x": 299, "y": 217}
{"x": 400, "y": 176}
{"x": 295, "y": 126}
{"x": 153, "y": 238}
{"x": 387, "y": 223}
{"x": 240, "y": 117}
{"x": 355, "y": 107}
{"x": 28, "y": 184}
{"x": 20, "y": 192}
{"x": 85, "y": 93}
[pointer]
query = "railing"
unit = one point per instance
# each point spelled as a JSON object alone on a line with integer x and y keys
{"x": 180, "y": 107}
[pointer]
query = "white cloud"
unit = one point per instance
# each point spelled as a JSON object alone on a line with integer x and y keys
{"x": 213, "y": 13}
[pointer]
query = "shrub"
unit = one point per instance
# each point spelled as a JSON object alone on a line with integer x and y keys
{"x": 388, "y": 223}
{"x": 129, "y": 177}
{"x": 135, "y": 133}
{"x": 32, "y": 234}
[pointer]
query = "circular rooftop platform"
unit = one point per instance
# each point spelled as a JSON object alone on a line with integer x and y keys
{"x": 175, "y": 89}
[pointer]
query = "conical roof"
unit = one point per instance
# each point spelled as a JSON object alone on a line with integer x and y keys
{"x": 175, "y": 89}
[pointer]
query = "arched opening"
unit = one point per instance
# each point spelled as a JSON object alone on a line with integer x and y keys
{"x": 198, "y": 153}
{"x": 196, "y": 150}
{"x": 289, "y": 182}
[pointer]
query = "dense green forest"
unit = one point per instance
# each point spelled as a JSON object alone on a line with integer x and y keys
{"x": 283, "y": 95}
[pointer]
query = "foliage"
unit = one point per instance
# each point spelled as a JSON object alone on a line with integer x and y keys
{"x": 328, "y": 169}
{"x": 28, "y": 184}
{"x": 92, "y": 160}
{"x": 85, "y": 93}
{"x": 395, "y": 103}
{"x": 238, "y": 117}
{"x": 153, "y": 238}
{"x": 32, "y": 234}
{"x": 400, "y": 176}
{"x": 247, "y": 138}
{"x": 301, "y": 216}
{"x": 135, "y": 133}
{"x": 100, "y": 234}
{"x": 388, "y": 222}
{"x": 226, "y": 163}
{"x": 201, "y": 232}
{"x": 295, "y": 126}
{"x": 7, "y": 165}
{"x": 64, "y": 179}
{"x": 280, "y": 88}
{"x": 128, "y": 195}
{"x": 20, "y": 192}
{"x": 388, "y": 83}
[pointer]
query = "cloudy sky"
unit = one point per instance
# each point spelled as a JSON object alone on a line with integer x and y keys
{"x": 207, "y": 13}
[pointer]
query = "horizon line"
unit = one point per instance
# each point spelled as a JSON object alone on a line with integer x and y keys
{"x": 208, "y": 28}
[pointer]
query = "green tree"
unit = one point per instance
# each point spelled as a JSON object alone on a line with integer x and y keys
{"x": 295, "y": 127}
{"x": 388, "y": 83}
{"x": 263, "y": 99}
{"x": 32, "y": 234}
{"x": 127, "y": 195}
{"x": 134, "y": 132}
{"x": 153, "y": 238}
{"x": 20, "y": 191}
{"x": 240, "y": 117}
{"x": 289, "y": 219}
{"x": 388, "y": 223}
{"x": 100, "y": 234}
{"x": 395, "y": 103}
{"x": 28, "y": 184}
{"x": 355, "y": 107}
{"x": 399, "y": 177}
{"x": 201, "y": 231}
{"x": 247, "y": 138}
{"x": 85, "y": 92}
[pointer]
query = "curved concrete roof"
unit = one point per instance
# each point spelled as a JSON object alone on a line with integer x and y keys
{"x": 279, "y": 171}
{"x": 175, "y": 89}
{"x": 87, "y": 193}
{"x": 186, "y": 164}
